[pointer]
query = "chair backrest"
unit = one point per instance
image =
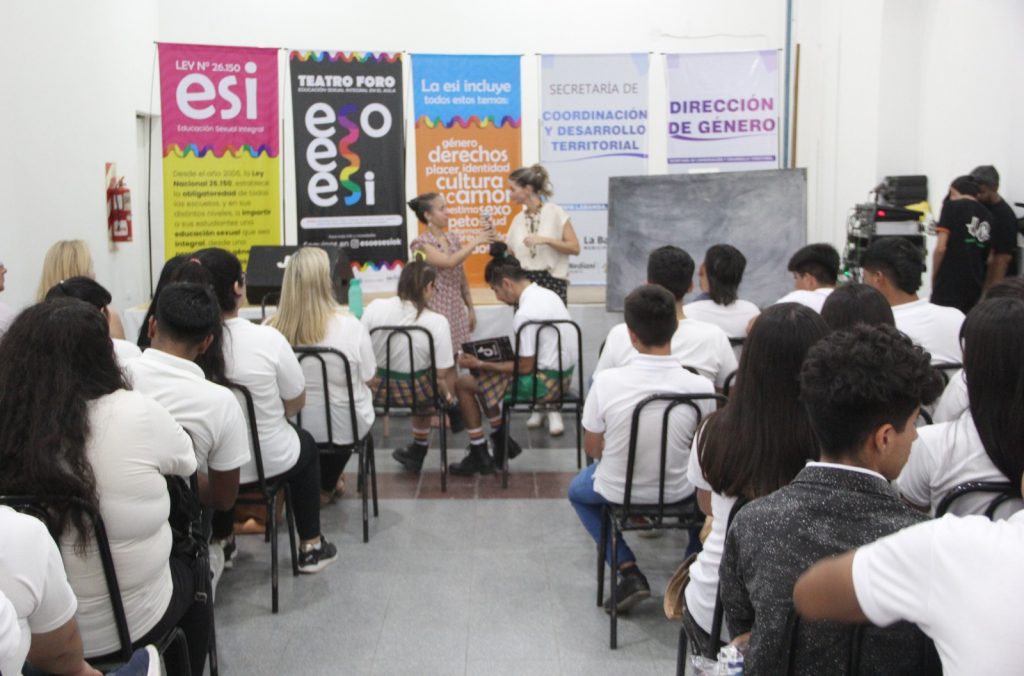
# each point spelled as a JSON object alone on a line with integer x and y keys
{"x": 947, "y": 369}
{"x": 545, "y": 328}
{"x": 254, "y": 434}
{"x": 38, "y": 506}
{"x": 729, "y": 380}
{"x": 406, "y": 333}
{"x": 672, "y": 401}
{"x": 319, "y": 353}
{"x": 1002, "y": 492}
{"x": 791, "y": 636}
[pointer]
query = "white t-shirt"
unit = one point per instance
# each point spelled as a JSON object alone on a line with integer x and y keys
{"x": 959, "y": 580}
{"x": 347, "y": 335}
{"x": 702, "y": 590}
{"x": 696, "y": 344}
{"x": 609, "y": 410}
{"x": 812, "y": 299}
{"x": 954, "y": 400}
{"x": 732, "y": 318}
{"x": 133, "y": 444}
{"x": 936, "y": 328}
{"x": 396, "y": 312}
{"x": 125, "y": 351}
{"x": 942, "y": 457}
{"x": 539, "y": 304}
{"x": 209, "y": 412}
{"x": 32, "y": 582}
{"x": 552, "y": 220}
{"x": 260, "y": 358}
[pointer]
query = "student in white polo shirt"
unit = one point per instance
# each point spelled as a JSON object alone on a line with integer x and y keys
{"x": 260, "y": 359}
{"x": 698, "y": 345}
{"x": 815, "y": 270}
{"x": 720, "y": 276}
{"x": 482, "y": 390}
{"x": 92, "y": 292}
{"x": 650, "y": 313}
{"x": 985, "y": 442}
{"x": 183, "y": 326}
{"x": 894, "y": 266}
{"x": 957, "y": 578}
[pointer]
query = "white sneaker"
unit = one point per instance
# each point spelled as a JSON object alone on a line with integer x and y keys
{"x": 216, "y": 565}
{"x": 555, "y": 425}
{"x": 535, "y": 420}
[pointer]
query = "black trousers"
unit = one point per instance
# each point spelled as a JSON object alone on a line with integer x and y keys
{"x": 304, "y": 480}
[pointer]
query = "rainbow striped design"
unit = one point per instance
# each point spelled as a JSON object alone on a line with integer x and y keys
{"x": 347, "y": 57}
{"x": 345, "y": 150}
{"x": 192, "y": 149}
{"x": 378, "y": 266}
{"x": 473, "y": 121}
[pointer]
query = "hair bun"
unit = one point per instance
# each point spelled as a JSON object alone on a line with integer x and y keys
{"x": 499, "y": 250}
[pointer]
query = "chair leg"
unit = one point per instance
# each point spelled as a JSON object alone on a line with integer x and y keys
{"x": 289, "y": 518}
{"x": 212, "y": 651}
{"x": 681, "y": 652}
{"x": 373, "y": 477}
{"x": 272, "y": 532}
{"x": 614, "y": 628}
{"x": 363, "y": 471}
{"x": 506, "y": 422}
{"x": 444, "y": 453}
{"x": 579, "y": 439}
{"x": 601, "y": 546}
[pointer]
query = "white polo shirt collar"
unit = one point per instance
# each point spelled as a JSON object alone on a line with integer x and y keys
{"x": 165, "y": 358}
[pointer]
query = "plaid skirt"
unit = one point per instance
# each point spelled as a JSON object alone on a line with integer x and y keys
{"x": 494, "y": 386}
{"x": 399, "y": 389}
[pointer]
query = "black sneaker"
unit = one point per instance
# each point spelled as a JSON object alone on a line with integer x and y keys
{"x": 411, "y": 457}
{"x": 633, "y": 588}
{"x": 455, "y": 417}
{"x": 497, "y": 440}
{"x": 316, "y": 559}
{"x": 477, "y": 461}
{"x": 230, "y": 549}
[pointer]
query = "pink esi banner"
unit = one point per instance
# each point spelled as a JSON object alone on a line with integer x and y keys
{"x": 221, "y": 142}
{"x": 219, "y": 99}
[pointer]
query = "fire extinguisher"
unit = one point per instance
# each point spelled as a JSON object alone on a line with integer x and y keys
{"x": 119, "y": 211}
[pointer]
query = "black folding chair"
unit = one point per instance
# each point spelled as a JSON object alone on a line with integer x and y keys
{"x": 434, "y": 401}
{"x": 619, "y": 518}
{"x": 362, "y": 446}
{"x": 729, "y": 380}
{"x": 1002, "y": 492}
{"x": 566, "y": 402}
{"x": 39, "y": 506}
{"x": 267, "y": 496}
{"x": 946, "y": 370}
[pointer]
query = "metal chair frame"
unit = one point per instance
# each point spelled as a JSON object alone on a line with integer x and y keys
{"x": 1004, "y": 492}
{"x": 568, "y": 402}
{"x": 37, "y": 506}
{"x": 435, "y": 401}
{"x": 268, "y": 491}
{"x": 617, "y": 518}
{"x": 946, "y": 369}
{"x": 362, "y": 444}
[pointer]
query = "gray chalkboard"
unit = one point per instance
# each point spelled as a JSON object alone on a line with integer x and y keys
{"x": 761, "y": 213}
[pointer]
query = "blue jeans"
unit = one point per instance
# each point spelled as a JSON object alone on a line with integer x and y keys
{"x": 589, "y": 505}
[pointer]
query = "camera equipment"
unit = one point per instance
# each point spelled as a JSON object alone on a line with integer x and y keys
{"x": 885, "y": 217}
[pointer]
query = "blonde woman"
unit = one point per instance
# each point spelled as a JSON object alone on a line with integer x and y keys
{"x": 309, "y": 315}
{"x": 542, "y": 238}
{"x": 71, "y": 258}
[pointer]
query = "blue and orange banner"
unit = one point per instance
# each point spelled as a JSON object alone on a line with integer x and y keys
{"x": 468, "y": 115}
{"x": 350, "y": 159}
{"x": 221, "y": 148}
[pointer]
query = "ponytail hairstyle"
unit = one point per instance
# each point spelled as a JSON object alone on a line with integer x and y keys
{"x": 191, "y": 271}
{"x": 413, "y": 282}
{"x": 225, "y": 270}
{"x": 82, "y": 288}
{"x": 168, "y": 271}
{"x": 502, "y": 265}
{"x": 535, "y": 176}
{"x": 423, "y": 204}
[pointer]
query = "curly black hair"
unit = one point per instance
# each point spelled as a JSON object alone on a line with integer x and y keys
{"x": 855, "y": 381}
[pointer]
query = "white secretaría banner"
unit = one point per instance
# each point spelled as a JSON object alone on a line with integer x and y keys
{"x": 723, "y": 111}
{"x": 593, "y": 125}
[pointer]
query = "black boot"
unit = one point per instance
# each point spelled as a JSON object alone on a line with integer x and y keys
{"x": 411, "y": 457}
{"x": 477, "y": 461}
{"x": 498, "y": 442}
{"x": 455, "y": 417}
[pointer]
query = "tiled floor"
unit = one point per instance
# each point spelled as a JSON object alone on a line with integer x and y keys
{"x": 497, "y": 582}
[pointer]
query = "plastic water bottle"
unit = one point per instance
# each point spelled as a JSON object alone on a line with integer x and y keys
{"x": 355, "y": 297}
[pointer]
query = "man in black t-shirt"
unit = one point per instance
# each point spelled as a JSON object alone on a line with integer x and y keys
{"x": 961, "y": 252}
{"x": 1002, "y": 260}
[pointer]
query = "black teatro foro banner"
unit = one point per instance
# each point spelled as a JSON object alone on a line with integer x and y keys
{"x": 350, "y": 159}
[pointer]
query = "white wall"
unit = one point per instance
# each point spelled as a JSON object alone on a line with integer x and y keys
{"x": 76, "y": 74}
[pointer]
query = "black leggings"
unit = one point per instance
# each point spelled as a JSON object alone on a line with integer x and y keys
{"x": 332, "y": 465}
{"x": 184, "y": 611}
{"x": 304, "y": 480}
